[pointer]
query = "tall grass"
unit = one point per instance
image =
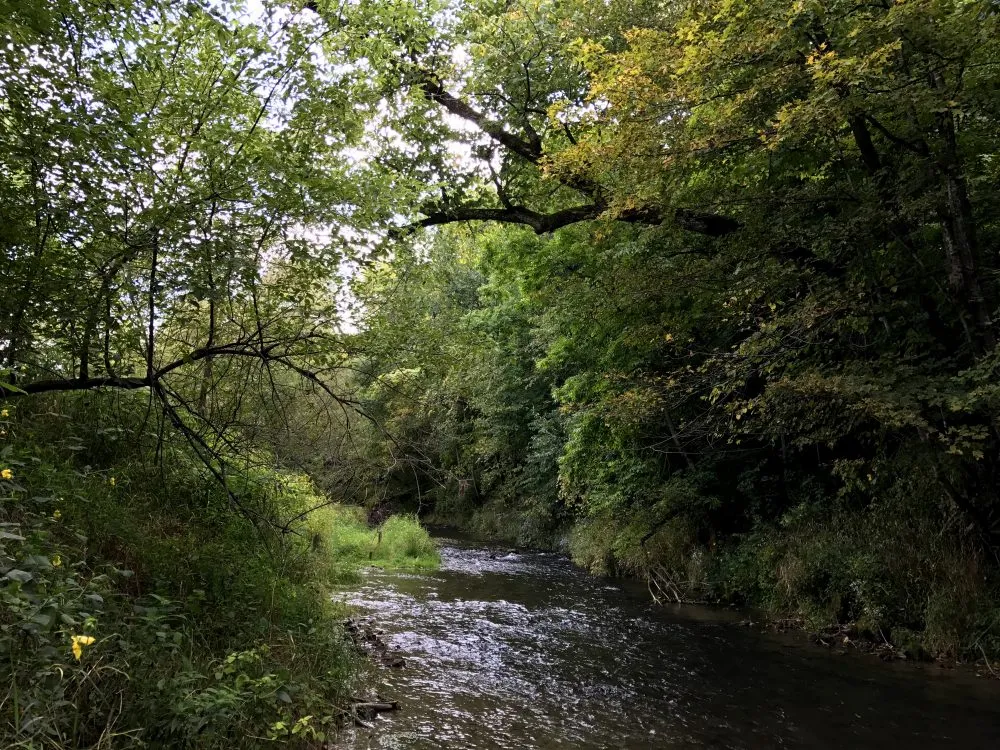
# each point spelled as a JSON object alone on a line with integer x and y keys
{"x": 401, "y": 542}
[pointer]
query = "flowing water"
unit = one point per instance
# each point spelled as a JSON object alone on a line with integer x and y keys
{"x": 522, "y": 650}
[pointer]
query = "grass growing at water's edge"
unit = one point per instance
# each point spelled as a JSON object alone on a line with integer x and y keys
{"x": 138, "y": 609}
{"x": 890, "y": 576}
{"x": 894, "y": 575}
{"x": 401, "y": 542}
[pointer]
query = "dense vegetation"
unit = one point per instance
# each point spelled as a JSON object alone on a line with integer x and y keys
{"x": 139, "y": 609}
{"x": 702, "y": 289}
{"x": 169, "y": 208}
{"x": 733, "y": 319}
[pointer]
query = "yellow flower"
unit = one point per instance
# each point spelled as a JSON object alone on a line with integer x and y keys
{"x": 7, "y": 474}
{"x": 4, "y": 413}
{"x": 56, "y": 515}
{"x": 56, "y": 561}
{"x": 79, "y": 641}
{"x": 111, "y": 481}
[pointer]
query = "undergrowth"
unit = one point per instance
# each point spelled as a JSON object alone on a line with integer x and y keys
{"x": 140, "y": 608}
{"x": 895, "y": 572}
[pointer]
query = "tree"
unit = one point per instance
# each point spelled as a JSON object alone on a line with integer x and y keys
{"x": 175, "y": 208}
{"x": 762, "y": 292}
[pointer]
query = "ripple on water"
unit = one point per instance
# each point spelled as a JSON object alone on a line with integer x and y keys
{"x": 521, "y": 650}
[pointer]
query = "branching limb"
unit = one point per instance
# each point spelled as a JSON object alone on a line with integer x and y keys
{"x": 698, "y": 222}
{"x": 530, "y": 150}
{"x": 542, "y": 223}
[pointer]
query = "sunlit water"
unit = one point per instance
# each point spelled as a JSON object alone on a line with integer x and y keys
{"x": 522, "y": 650}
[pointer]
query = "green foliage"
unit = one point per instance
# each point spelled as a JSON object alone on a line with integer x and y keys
{"x": 156, "y": 151}
{"x": 197, "y": 626}
{"x": 405, "y": 543}
{"x": 179, "y": 201}
{"x": 735, "y": 320}
{"x": 399, "y": 543}
{"x": 758, "y": 352}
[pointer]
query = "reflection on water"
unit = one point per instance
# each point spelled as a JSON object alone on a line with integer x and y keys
{"x": 522, "y": 650}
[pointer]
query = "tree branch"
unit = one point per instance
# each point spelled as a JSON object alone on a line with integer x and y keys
{"x": 75, "y": 384}
{"x": 273, "y": 351}
{"x": 698, "y": 222}
{"x": 432, "y": 88}
{"x": 918, "y": 147}
{"x": 542, "y": 223}
{"x": 708, "y": 224}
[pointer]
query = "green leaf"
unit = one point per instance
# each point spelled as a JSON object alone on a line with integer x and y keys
{"x": 21, "y": 576}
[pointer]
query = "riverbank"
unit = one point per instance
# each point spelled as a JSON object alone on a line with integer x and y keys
{"x": 848, "y": 638}
{"x": 608, "y": 554}
{"x": 145, "y": 600}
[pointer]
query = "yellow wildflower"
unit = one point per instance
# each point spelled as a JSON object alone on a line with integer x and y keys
{"x": 56, "y": 561}
{"x": 4, "y": 413}
{"x": 79, "y": 641}
{"x": 56, "y": 515}
{"x": 6, "y": 474}
{"x": 111, "y": 481}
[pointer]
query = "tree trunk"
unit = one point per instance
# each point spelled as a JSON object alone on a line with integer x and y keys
{"x": 959, "y": 231}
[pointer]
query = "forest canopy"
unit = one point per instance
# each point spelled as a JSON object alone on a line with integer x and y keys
{"x": 702, "y": 291}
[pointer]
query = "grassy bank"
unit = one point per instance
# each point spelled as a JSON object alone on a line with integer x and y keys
{"x": 905, "y": 583}
{"x": 399, "y": 543}
{"x": 884, "y": 574}
{"x": 141, "y": 608}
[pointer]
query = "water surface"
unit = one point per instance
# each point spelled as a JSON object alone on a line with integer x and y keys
{"x": 522, "y": 650}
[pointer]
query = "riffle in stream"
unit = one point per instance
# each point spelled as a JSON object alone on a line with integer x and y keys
{"x": 522, "y": 650}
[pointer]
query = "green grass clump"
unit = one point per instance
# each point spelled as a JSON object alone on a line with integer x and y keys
{"x": 401, "y": 542}
{"x": 405, "y": 544}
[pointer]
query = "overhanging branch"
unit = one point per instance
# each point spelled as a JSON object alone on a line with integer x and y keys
{"x": 279, "y": 351}
{"x": 74, "y": 384}
{"x": 542, "y": 223}
{"x": 698, "y": 222}
{"x": 708, "y": 224}
{"x": 531, "y": 150}
{"x": 432, "y": 88}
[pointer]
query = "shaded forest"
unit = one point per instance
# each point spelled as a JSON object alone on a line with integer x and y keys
{"x": 702, "y": 292}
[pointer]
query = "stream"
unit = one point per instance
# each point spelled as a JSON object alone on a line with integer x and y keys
{"x": 523, "y": 650}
